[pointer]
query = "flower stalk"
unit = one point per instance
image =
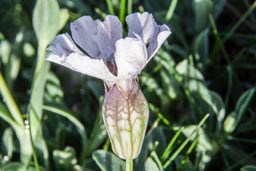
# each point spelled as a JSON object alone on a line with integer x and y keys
{"x": 128, "y": 165}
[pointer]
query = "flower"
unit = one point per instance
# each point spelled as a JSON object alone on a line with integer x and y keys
{"x": 97, "y": 49}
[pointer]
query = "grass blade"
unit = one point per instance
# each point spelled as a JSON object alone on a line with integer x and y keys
{"x": 122, "y": 11}
{"x": 175, "y": 154}
{"x": 171, "y": 10}
{"x": 10, "y": 102}
{"x": 168, "y": 149}
{"x": 110, "y": 7}
{"x": 240, "y": 21}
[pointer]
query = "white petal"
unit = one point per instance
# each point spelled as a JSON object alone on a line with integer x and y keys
{"x": 130, "y": 56}
{"x": 65, "y": 52}
{"x": 95, "y": 37}
{"x": 144, "y": 25}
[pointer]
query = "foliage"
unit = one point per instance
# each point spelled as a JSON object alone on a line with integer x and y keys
{"x": 200, "y": 87}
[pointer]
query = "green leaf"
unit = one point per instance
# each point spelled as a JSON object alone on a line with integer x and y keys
{"x": 7, "y": 140}
{"x": 65, "y": 160}
{"x": 218, "y": 106}
{"x": 64, "y": 16}
{"x": 189, "y": 72}
{"x": 184, "y": 164}
{"x": 96, "y": 137}
{"x": 12, "y": 69}
{"x": 16, "y": 166}
{"x": 202, "y": 9}
{"x": 151, "y": 165}
{"x": 242, "y": 105}
{"x": 72, "y": 119}
{"x": 248, "y": 168}
{"x": 46, "y": 19}
{"x": 54, "y": 93}
{"x": 6, "y": 116}
{"x": 156, "y": 160}
{"x": 201, "y": 45}
{"x": 5, "y": 51}
{"x": 203, "y": 147}
{"x": 108, "y": 161}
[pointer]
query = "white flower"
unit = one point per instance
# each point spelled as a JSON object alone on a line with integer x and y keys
{"x": 97, "y": 49}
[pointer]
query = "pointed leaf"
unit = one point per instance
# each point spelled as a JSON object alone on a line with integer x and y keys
{"x": 45, "y": 16}
{"x": 108, "y": 161}
{"x": 242, "y": 105}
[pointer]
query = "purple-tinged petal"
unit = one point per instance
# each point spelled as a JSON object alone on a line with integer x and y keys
{"x": 63, "y": 45}
{"x": 158, "y": 40}
{"x": 130, "y": 57}
{"x": 144, "y": 25}
{"x": 65, "y": 52}
{"x": 97, "y": 38}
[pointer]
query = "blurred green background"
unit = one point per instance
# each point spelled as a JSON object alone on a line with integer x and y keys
{"x": 207, "y": 66}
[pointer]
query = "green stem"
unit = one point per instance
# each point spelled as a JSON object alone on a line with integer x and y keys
{"x": 122, "y": 11}
{"x": 35, "y": 106}
{"x": 33, "y": 151}
{"x": 129, "y": 165}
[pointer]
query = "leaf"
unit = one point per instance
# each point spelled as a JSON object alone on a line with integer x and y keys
{"x": 242, "y": 105}
{"x": 204, "y": 100}
{"x": 201, "y": 45}
{"x": 12, "y": 69}
{"x": 203, "y": 147}
{"x": 72, "y": 119}
{"x": 151, "y": 165}
{"x": 96, "y": 137}
{"x": 6, "y": 116}
{"x": 170, "y": 85}
{"x": 65, "y": 160}
{"x": 46, "y": 17}
{"x": 248, "y": 168}
{"x": 7, "y": 139}
{"x": 189, "y": 72}
{"x": 16, "y": 166}
{"x": 54, "y": 93}
{"x": 239, "y": 156}
{"x": 190, "y": 136}
{"x": 157, "y": 161}
{"x": 139, "y": 163}
{"x": 5, "y": 51}
{"x": 184, "y": 164}
{"x": 64, "y": 16}
{"x": 202, "y": 9}
{"x": 218, "y": 7}
{"x": 218, "y": 107}
{"x": 108, "y": 161}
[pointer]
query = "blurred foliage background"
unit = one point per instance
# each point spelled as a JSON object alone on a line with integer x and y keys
{"x": 207, "y": 66}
